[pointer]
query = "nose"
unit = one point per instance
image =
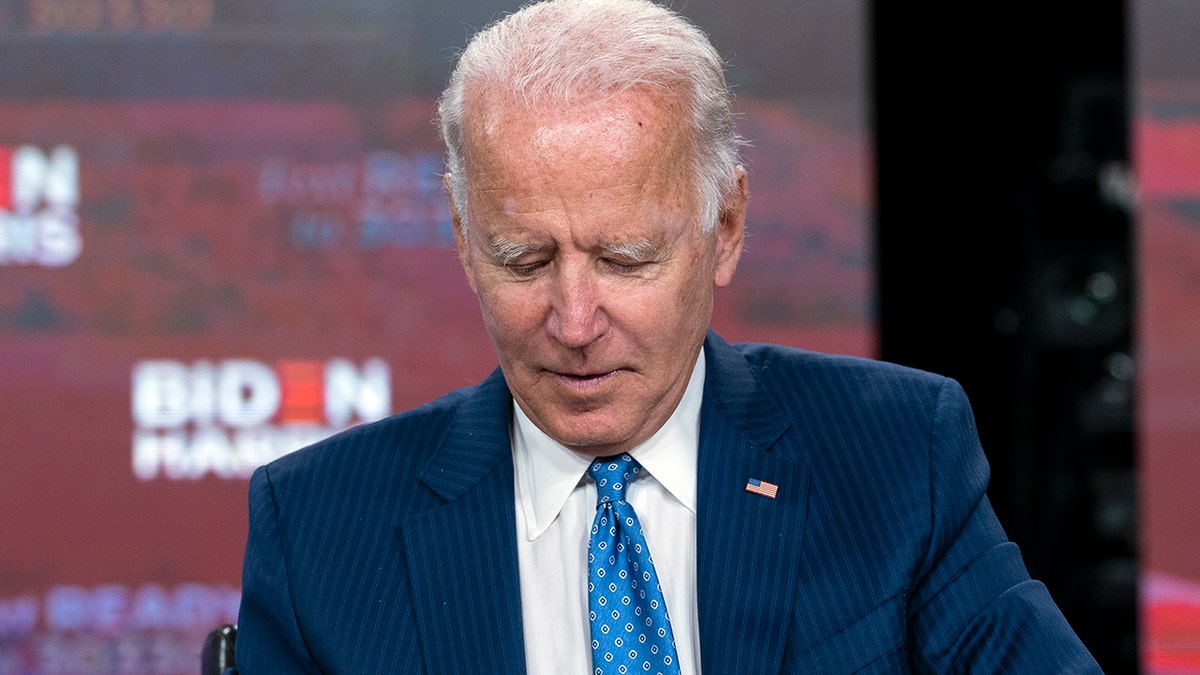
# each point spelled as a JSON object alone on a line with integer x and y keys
{"x": 577, "y": 315}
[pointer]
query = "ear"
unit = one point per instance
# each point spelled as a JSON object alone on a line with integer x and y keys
{"x": 460, "y": 242}
{"x": 731, "y": 232}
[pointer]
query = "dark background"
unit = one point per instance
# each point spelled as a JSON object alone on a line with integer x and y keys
{"x": 1004, "y": 240}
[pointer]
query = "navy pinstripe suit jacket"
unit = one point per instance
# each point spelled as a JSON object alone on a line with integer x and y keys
{"x": 391, "y": 548}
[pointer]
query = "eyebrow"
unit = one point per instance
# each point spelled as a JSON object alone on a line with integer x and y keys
{"x": 506, "y": 251}
{"x": 640, "y": 249}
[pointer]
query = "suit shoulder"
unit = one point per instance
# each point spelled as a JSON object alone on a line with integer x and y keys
{"x": 401, "y": 442}
{"x": 778, "y": 366}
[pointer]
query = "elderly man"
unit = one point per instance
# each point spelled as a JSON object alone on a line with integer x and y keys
{"x": 805, "y": 513}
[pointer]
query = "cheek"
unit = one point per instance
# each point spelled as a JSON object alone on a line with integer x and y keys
{"x": 690, "y": 310}
{"x": 509, "y": 313}
{"x": 694, "y": 287}
{"x": 661, "y": 315}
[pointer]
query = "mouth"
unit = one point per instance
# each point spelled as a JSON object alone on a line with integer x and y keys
{"x": 584, "y": 382}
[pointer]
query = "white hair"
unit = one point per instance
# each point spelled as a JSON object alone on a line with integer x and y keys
{"x": 559, "y": 51}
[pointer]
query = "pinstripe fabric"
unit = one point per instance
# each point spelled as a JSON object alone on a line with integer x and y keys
{"x": 880, "y": 553}
{"x": 382, "y": 549}
{"x": 391, "y": 548}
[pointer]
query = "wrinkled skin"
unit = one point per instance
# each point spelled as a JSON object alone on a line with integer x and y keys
{"x": 594, "y": 278}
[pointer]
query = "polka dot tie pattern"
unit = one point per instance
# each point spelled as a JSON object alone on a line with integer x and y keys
{"x": 631, "y": 632}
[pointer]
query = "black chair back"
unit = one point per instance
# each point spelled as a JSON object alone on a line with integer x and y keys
{"x": 217, "y": 654}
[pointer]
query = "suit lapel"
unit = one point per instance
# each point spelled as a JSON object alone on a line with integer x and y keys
{"x": 748, "y": 545}
{"x": 462, "y": 555}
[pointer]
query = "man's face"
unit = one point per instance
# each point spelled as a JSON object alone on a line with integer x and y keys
{"x": 594, "y": 279}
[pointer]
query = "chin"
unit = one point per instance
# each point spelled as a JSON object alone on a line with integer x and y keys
{"x": 594, "y": 444}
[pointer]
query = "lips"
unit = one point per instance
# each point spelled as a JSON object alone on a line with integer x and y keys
{"x": 585, "y": 376}
{"x": 584, "y": 382}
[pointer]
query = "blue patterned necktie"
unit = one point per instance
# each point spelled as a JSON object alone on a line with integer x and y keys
{"x": 631, "y": 632}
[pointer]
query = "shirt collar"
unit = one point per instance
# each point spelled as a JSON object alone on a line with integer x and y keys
{"x": 547, "y": 472}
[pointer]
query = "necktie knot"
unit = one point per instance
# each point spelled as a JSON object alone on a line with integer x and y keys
{"x": 612, "y": 476}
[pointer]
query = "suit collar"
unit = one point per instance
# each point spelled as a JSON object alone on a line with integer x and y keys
{"x": 748, "y": 546}
{"x": 733, "y": 389}
{"x": 476, "y": 442}
{"x": 462, "y": 555}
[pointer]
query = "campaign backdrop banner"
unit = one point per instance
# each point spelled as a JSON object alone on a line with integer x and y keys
{"x": 1166, "y": 151}
{"x": 224, "y": 236}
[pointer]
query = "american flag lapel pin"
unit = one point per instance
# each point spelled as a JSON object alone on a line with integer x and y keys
{"x": 761, "y": 487}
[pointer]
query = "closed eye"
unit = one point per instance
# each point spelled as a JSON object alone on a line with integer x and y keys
{"x": 526, "y": 270}
{"x": 624, "y": 267}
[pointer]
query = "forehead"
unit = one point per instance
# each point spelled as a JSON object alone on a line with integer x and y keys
{"x": 601, "y": 141}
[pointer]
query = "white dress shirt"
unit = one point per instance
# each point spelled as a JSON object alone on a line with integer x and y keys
{"x": 556, "y": 502}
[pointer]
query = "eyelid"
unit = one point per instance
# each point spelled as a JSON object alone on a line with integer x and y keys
{"x": 626, "y": 267}
{"x": 526, "y": 269}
